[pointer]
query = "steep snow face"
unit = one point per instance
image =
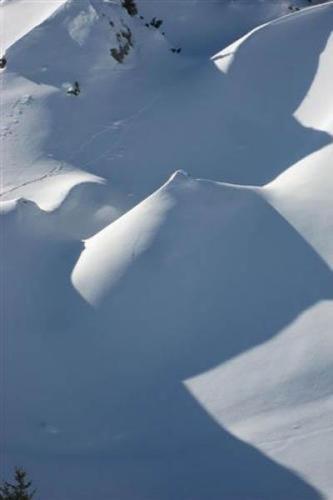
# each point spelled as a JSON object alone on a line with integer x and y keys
{"x": 303, "y": 195}
{"x": 315, "y": 110}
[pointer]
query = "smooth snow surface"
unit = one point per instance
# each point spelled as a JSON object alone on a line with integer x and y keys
{"x": 19, "y": 17}
{"x": 166, "y": 336}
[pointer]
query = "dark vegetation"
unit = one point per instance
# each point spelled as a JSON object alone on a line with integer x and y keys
{"x": 3, "y": 62}
{"x": 130, "y": 6}
{"x": 156, "y": 23}
{"x": 19, "y": 490}
{"x": 125, "y": 42}
{"x": 292, "y": 8}
{"x": 124, "y": 36}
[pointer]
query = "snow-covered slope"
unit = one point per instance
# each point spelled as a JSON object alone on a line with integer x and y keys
{"x": 213, "y": 269}
{"x": 168, "y": 339}
{"x": 219, "y": 125}
{"x": 174, "y": 295}
{"x": 19, "y": 17}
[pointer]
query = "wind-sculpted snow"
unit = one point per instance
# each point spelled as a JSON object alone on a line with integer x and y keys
{"x": 168, "y": 339}
{"x": 203, "y": 266}
{"x": 303, "y": 196}
{"x": 237, "y": 127}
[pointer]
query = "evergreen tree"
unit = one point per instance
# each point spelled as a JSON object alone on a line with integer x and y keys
{"x": 19, "y": 490}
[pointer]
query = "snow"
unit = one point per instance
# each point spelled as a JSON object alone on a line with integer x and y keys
{"x": 19, "y": 17}
{"x": 167, "y": 251}
{"x": 159, "y": 100}
{"x": 314, "y": 110}
{"x": 266, "y": 418}
{"x": 302, "y": 195}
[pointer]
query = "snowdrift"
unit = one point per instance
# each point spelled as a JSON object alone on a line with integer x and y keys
{"x": 168, "y": 341}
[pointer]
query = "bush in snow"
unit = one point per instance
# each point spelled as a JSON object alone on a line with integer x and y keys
{"x": 117, "y": 54}
{"x": 20, "y": 490}
{"x": 125, "y": 42}
{"x": 3, "y": 62}
{"x": 130, "y": 6}
{"x": 156, "y": 23}
{"x": 126, "y": 34}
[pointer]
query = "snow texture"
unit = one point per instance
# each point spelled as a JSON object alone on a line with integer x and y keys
{"x": 167, "y": 250}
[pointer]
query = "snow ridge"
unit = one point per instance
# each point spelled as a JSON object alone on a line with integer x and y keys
{"x": 169, "y": 336}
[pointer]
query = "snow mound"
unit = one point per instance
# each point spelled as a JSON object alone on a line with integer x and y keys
{"x": 199, "y": 267}
{"x": 182, "y": 284}
{"x": 182, "y": 350}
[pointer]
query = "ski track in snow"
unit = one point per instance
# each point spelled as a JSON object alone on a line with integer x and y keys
{"x": 286, "y": 440}
{"x": 53, "y": 172}
{"x": 125, "y": 124}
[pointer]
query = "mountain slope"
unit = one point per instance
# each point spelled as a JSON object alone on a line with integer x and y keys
{"x": 173, "y": 345}
{"x": 219, "y": 125}
{"x": 168, "y": 287}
